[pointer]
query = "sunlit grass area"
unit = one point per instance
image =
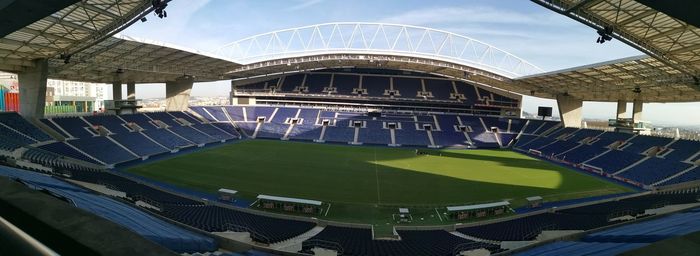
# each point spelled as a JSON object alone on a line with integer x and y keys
{"x": 367, "y": 184}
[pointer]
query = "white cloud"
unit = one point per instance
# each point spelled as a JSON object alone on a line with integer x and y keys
{"x": 304, "y": 4}
{"x": 475, "y": 14}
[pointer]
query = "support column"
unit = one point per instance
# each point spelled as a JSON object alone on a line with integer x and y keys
{"x": 116, "y": 90}
{"x": 570, "y": 110}
{"x": 177, "y": 94}
{"x": 637, "y": 106}
{"x": 32, "y": 89}
{"x": 621, "y": 109}
{"x": 131, "y": 91}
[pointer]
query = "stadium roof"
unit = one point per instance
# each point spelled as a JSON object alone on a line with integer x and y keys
{"x": 616, "y": 80}
{"x": 670, "y": 39}
{"x": 375, "y": 39}
{"x": 64, "y": 31}
{"x": 128, "y": 59}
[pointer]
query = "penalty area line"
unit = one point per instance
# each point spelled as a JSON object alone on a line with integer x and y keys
{"x": 327, "y": 210}
{"x": 438, "y": 214}
{"x": 256, "y": 200}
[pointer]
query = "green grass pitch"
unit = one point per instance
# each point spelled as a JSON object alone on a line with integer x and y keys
{"x": 368, "y": 184}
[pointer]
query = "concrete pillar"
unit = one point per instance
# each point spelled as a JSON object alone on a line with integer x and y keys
{"x": 131, "y": 91}
{"x": 637, "y": 106}
{"x": 32, "y": 89}
{"x": 570, "y": 110}
{"x": 116, "y": 90}
{"x": 621, "y": 109}
{"x": 177, "y": 94}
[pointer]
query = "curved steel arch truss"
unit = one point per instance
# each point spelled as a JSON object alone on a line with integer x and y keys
{"x": 377, "y": 38}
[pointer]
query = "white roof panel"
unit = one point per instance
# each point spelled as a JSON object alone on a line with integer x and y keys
{"x": 290, "y": 200}
{"x": 477, "y": 206}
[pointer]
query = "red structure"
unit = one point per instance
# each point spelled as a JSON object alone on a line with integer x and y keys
{"x": 11, "y": 101}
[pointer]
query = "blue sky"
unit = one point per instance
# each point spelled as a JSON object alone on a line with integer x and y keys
{"x": 542, "y": 37}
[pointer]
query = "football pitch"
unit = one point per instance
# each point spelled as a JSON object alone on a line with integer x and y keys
{"x": 368, "y": 184}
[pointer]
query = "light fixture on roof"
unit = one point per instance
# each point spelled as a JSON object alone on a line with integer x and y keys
{"x": 159, "y": 8}
{"x": 604, "y": 35}
{"x": 143, "y": 19}
{"x": 65, "y": 57}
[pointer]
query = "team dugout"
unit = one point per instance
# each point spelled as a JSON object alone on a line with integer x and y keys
{"x": 477, "y": 210}
{"x": 289, "y": 204}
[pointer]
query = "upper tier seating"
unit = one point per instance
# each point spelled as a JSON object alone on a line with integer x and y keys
{"x": 682, "y": 150}
{"x": 192, "y": 135}
{"x": 441, "y": 89}
{"x": 138, "y": 143}
{"x": 615, "y": 160}
{"x": 163, "y": 117}
{"x": 407, "y": 87}
{"x": 103, "y": 149}
{"x": 110, "y": 122}
{"x": 53, "y": 126}
{"x": 291, "y": 82}
{"x": 140, "y": 119}
{"x": 14, "y": 140}
{"x": 316, "y": 82}
{"x": 642, "y": 143}
{"x": 691, "y": 175}
{"x": 63, "y": 149}
{"x": 214, "y": 132}
{"x": 187, "y": 117}
{"x": 654, "y": 169}
{"x": 75, "y": 126}
{"x": 18, "y": 123}
{"x": 167, "y": 138}
{"x": 375, "y": 85}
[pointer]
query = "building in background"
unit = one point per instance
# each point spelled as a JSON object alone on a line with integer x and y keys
{"x": 61, "y": 96}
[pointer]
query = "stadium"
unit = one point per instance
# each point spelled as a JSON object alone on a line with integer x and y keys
{"x": 344, "y": 138}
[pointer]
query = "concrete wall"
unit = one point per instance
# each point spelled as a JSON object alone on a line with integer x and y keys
{"x": 177, "y": 94}
{"x": 621, "y": 109}
{"x": 570, "y": 110}
{"x": 637, "y": 108}
{"x": 32, "y": 89}
{"x": 130, "y": 91}
{"x": 116, "y": 90}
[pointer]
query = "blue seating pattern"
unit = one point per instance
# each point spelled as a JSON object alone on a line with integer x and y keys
{"x": 218, "y": 219}
{"x": 167, "y": 138}
{"x": 63, "y": 149}
{"x": 621, "y": 239}
{"x": 376, "y": 82}
{"x": 138, "y": 143}
{"x": 111, "y": 122}
{"x": 103, "y": 149}
{"x": 373, "y": 133}
{"x": 139, "y": 119}
{"x": 164, "y": 117}
{"x": 75, "y": 126}
{"x": 18, "y": 123}
{"x": 154, "y": 229}
{"x": 358, "y": 241}
{"x": 192, "y": 135}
